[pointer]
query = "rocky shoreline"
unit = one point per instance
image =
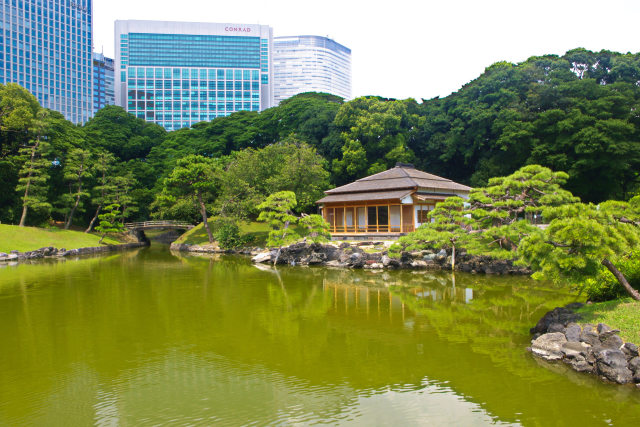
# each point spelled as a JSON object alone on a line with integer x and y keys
{"x": 594, "y": 349}
{"x": 51, "y": 252}
{"x": 374, "y": 255}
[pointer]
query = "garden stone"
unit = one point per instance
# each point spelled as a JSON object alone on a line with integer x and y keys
{"x": 556, "y": 327}
{"x": 612, "y": 364}
{"x": 634, "y": 365}
{"x": 574, "y": 349}
{"x": 589, "y": 336}
{"x": 630, "y": 350}
{"x": 602, "y": 328}
{"x": 573, "y": 332}
{"x": 612, "y": 341}
{"x": 549, "y": 346}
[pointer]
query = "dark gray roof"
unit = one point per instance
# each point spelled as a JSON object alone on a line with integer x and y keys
{"x": 399, "y": 177}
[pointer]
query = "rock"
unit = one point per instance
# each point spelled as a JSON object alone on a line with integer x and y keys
{"x": 374, "y": 266}
{"x": 560, "y": 315}
{"x": 418, "y": 264}
{"x": 389, "y": 262}
{"x": 556, "y": 327}
{"x": 3, "y": 254}
{"x": 634, "y": 365}
{"x": 317, "y": 258}
{"x": 574, "y": 305}
{"x": 416, "y": 255}
{"x": 11, "y": 257}
{"x": 602, "y": 328}
{"x": 573, "y": 332}
{"x": 581, "y": 366}
{"x": 549, "y": 346}
{"x": 442, "y": 253}
{"x": 335, "y": 263}
{"x": 630, "y": 350}
{"x": 589, "y": 335}
{"x": 612, "y": 364}
{"x": 572, "y": 349}
{"x": 262, "y": 257}
{"x": 612, "y": 341}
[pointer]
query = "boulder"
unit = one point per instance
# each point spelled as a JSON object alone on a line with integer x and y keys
{"x": 576, "y": 350}
{"x": 612, "y": 341}
{"x": 634, "y": 365}
{"x": 612, "y": 364}
{"x": 549, "y": 346}
{"x": 560, "y": 315}
{"x": 262, "y": 257}
{"x": 573, "y": 332}
{"x": 589, "y": 335}
{"x": 630, "y": 350}
{"x": 556, "y": 327}
{"x": 418, "y": 264}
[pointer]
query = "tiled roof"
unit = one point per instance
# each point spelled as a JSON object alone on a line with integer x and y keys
{"x": 400, "y": 177}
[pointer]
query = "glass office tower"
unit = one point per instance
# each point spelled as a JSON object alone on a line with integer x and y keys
{"x": 45, "y": 46}
{"x": 310, "y": 64}
{"x": 180, "y": 73}
{"x": 103, "y": 89}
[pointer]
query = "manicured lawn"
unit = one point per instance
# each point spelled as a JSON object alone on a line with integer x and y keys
{"x": 258, "y": 231}
{"x": 24, "y": 239}
{"x": 621, "y": 314}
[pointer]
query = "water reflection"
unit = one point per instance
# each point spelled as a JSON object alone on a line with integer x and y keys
{"x": 147, "y": 337}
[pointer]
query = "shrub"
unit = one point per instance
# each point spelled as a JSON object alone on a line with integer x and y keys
{"x": 227, "y": 233}
{"x": 604, "y": 286}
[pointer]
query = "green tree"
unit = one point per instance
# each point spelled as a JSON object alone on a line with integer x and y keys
{"x": 76, "y": 171}
{"x": 32, "y": 183}
{"x": 109, "y": 221}
{"x": 446, "y": 229}
{"x": 580, "y": 238}
{"x": 104, "y": 187}
{"x": 195, "y": 178}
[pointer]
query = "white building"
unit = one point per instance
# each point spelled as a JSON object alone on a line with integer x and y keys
{"x": 310, "y": 64}
{"x": 179, "y": 73}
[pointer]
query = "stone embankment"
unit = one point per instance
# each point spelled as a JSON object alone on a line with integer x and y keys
{"x": 373, "y": 255}
{"x": 51, "y": 252}
{"x": 595, "y": 349}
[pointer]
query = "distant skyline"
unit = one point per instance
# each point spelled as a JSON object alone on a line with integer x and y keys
{"x": 401, "y": 48}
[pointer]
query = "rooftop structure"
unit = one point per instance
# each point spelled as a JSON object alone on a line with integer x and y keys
{"x": 392, "y": 202}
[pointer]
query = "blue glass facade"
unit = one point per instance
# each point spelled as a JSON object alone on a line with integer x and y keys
{"x": 103, "y": 83}
{"x": 45, "y": 46}
{"x": 176, "y": 78}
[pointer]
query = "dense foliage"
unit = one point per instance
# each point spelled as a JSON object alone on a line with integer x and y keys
{"x": 589, "y": 246}
{"x": 575, "y": 113}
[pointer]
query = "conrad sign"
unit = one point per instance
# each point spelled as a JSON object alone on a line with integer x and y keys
{"x": 237, "y": 29}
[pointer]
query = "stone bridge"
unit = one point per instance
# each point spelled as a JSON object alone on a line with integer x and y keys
{"x": 155, "y": 225}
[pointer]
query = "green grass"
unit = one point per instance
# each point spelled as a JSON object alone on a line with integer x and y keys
{"x": 623, "y": 314}
{"x": 24, "y": 239}
{"x": 257, "y": 231}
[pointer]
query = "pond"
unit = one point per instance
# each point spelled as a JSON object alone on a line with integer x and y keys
{"x": 150, "y": 337}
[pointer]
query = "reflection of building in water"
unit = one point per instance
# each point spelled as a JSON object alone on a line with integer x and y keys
{"x": 381, "y": 296}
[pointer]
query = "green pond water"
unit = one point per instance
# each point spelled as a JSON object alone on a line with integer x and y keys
{"x": 153, "y": 338}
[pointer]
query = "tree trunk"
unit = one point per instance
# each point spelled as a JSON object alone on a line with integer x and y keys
{"x": 203, "y": 211}
{"x": 93, "y": 220}
{"x": 23, "y": 218}
{"x": 284, "y": 234}
{"x": 453, "y": 257}
{"x": 73, "y": 210}
{"x": 623, "y": 280}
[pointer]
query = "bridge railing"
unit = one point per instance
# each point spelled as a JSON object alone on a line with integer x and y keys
{"x": 148, "y": 224}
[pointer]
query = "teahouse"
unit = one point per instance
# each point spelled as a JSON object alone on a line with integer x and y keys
{"x": 389, "y": 203}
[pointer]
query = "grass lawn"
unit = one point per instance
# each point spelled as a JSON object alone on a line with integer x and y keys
{"x": 623, "y": 314}
{"x": 258, "y": 231}
{"x": 24, "y": 239}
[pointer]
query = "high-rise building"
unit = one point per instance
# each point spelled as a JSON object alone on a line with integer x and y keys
{"x": 103, "y": 89}
{"x": 310, "y": 64}
{"x": 45, "y": 46}
{"x": 179, "y": 73}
